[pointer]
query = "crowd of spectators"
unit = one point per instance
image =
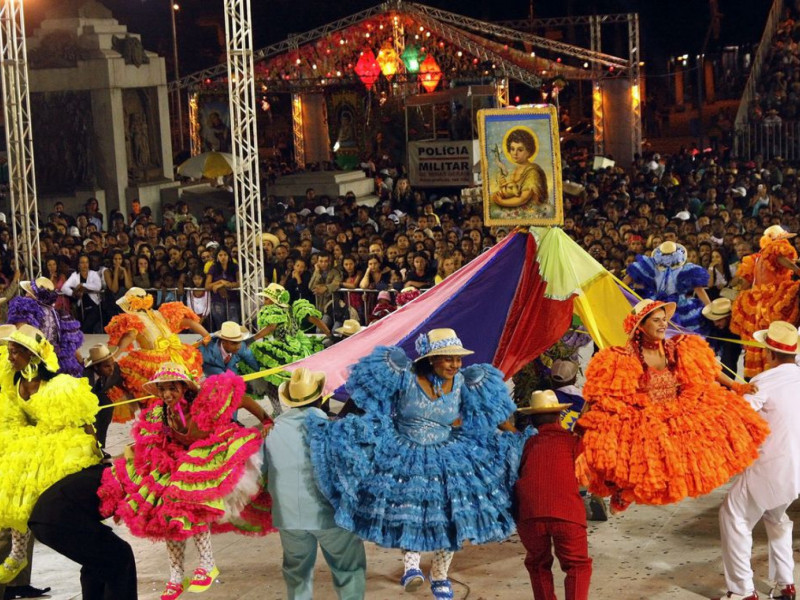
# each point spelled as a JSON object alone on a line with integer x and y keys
{"x": 329, "y": 250}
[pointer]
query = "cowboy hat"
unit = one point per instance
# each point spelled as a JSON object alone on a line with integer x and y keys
{"x": 780, "y": 337}
{"x": 170, "y": 371}
{"x": 642, "y": 310}
{"x": 277, "y": 294}
{"x": 349, "y": 327}
{"x": 35, "y": 342}
{"x": 271, "y": 238}
{"x": 232, "y": 332}
{"x": 543, "y": 401}
{"x": 42, "y": 283}
{"x": 97, "y": 354}
{"x": 6, "y": 331}
{"x": 303, "y": 388}
{"x": 718, "y": 309}
{"x": 440, "y": 342}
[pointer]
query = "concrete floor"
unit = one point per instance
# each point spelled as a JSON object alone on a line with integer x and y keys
{"x": 652, "y": 553}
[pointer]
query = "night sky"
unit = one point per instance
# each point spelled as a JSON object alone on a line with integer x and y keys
{"x": 668, "y": 28}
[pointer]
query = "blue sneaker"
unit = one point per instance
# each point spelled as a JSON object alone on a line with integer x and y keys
{"x": 412, "y": 580}
{"x": 442, "y": 590}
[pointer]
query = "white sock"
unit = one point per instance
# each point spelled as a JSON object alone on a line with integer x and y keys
{"x": 177, "y": 553}
{"x": 203, "y": 543}
{"x": 441, "y": 564}
{"x": 410, "y": 560}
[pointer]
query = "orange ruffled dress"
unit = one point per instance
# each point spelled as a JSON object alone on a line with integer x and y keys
{"x": 156, "y": 336}
{"x": 673, "y": 434}
{"x": 772, "y": 297}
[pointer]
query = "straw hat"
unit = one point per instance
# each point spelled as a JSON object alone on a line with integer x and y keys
{"x": 718, "y": 309}
{"x": 563, "y": 371}
{"x": 543, "y": 401}
{"x": 6, "y": 331}
{"x": 349, "y": 327}
{"x": 780, "y": 337}
{"x": 34, "y": 340}
{"x": 170, "y": 372}
{"x": 42, "y": 283}
{"x": 271, "y": 238}
{"x": 134, "y": 293}
{"x": 670, "y": 254}
{"x": 440, "y": 342}
{"x": 277, "y": 294}
{"x": 303, "y": 388}
{"x": 776, "y": 232}
{"x": 97, "y": 354}
{"x": 232, "y": 332}
{"x": 642, "y": 310}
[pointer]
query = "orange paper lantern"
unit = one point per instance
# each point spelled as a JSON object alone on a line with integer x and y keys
{"x": 387, "y": 60}
{"x": 429, "y": 73}
{"x": 367, "y": 68}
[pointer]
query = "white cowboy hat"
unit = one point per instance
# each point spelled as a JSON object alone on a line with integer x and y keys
{"x": 41, "y": 283}
{"x": 271, "y": 238}
{"x": 543, "y": 401}
{"x": 170, "y": 372}
{"x": 440, "y": 342}
{"x": 780, "y": 337}
{"x": 303, "y": 388}
{"x": 97, "y": 354}
{"x": 349, "y": 327}
{"x": 232, "y": 332}
{"x": 718, "y": 309}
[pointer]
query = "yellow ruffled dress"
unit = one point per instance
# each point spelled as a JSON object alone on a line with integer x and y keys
{"x": 42, "y": 440}
{"x": 658, "y": 436}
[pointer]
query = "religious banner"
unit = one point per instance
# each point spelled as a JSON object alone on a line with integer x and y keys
{"x": 521, "y": 166}
{"x": 440, "y": 164}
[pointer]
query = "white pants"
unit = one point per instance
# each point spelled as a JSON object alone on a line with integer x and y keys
{"x": 738, "y": 516}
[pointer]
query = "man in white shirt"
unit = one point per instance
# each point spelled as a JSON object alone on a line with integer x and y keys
{"x": 84, "y": 286}
{"x": 767, "y": 487}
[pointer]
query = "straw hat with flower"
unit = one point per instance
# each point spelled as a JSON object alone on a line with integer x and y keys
{"x": 36, "y": 343}
{"x": 170, "y": 372}
{"x": 43, "y": 283}
{"x": 642, "y": 310}
{"x": 440, "y": 342}
{"x": 277, "y": 294}
{"x": 670, "y": 255}
{"x": 135, "y": 299}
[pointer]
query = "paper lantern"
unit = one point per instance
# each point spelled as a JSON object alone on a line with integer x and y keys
{"x": 387, "y": 60}
{"x": 429, "y": 73}
{"x": 367, "y": 68}
{"x": 410, "y": 58}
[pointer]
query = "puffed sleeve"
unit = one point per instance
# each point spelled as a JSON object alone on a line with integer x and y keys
{"x": 747, "y": 267}
{"x": 272, "y": 315}
{"x": 643, "y": 273}
{"x": 120, "y": 325}
{"x": 219, "y": 397}
{"x": 65, "y": 401}
{"x": 303, "y": 308}
{"x": 11, "y": 414}
{"x": 174, "y": 313}
{"x": 25, "y": 310}
{"x": 377, "y": 378}
{"x": 696, "y": 363}
{"x": 612, "y": 381}
{"x": 485, "y": 401}
{"x": 691, "y": 276}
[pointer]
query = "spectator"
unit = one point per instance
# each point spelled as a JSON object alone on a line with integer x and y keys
{"x": 84, "y": 287}
{"x": 222, "y": 281}
{"x": 118, "y": 280}
{"x": 324, "y": 282}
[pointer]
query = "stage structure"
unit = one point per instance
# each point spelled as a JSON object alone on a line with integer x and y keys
{"x": 244, "y": 147}
{"x": 19, "y": 139}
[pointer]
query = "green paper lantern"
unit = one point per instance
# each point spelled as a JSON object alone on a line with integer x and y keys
{"x": 411, "y": 58}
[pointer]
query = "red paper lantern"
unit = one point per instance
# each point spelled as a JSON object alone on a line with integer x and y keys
{"x": 429, "y": 73}
{"x": 368, "y": 69}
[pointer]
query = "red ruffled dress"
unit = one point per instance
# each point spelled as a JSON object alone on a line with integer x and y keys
{"x": 169, "y": 491}
{"x": 773, "y": 296}
{"x": 659, "y": 436}
{"x": 156, "y": 335}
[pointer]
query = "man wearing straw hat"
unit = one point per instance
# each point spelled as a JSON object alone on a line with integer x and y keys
{"x": 768, "y": 486}
{"x": 228, "y": 350}
{"x": 304, "y": 518}
{"x": 107, "y": 386}
{"x": 729, "y": 350}
{"x": 549, "y": 508}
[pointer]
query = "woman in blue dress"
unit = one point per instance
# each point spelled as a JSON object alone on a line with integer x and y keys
{"x": 426, "y": 467}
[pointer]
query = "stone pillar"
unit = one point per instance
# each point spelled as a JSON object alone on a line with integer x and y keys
{"x": 112, "y": 166}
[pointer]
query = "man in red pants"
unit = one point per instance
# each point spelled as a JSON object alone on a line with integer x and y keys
{"x": 549, "y": 509}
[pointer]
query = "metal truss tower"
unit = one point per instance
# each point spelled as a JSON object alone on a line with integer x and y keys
{"x": 19, "y": 138}
{"x": 244, "y": 147}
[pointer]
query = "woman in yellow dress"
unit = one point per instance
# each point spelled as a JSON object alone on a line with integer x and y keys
{"x": 528, "y": 182}
{"x": 46, "y": 433}
{"x": 156, "y": 334}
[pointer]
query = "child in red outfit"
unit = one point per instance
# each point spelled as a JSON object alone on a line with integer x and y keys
{"x": 550, "y": 511}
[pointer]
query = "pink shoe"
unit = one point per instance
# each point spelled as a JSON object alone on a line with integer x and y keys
{"x": 172, "y": 591}
{"x": 202, "y": 579}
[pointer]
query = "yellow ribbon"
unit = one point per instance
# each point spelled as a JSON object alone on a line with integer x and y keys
{"x": 173, "y": 345}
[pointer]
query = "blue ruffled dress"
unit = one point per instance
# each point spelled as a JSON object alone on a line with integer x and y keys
{"x": 673, "y": 284}
{"x": 401, "y": 476}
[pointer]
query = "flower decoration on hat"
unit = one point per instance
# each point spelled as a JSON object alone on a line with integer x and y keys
{"x": 669, "y": 255}
{"x": 640, "y": 312}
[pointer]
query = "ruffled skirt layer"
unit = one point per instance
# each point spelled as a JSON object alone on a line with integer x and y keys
{"x": 274, "y": 352}
{"x": 32, "y": 461}
{"x": 139, "y": 366}
{"x": 216, "y": 485}
{"x": 401, "y": 494}
{"x": 663, "y": 452}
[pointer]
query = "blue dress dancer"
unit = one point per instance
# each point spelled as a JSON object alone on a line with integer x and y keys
{"x": 426, "y": 467}
{"x": 666, "y": 276}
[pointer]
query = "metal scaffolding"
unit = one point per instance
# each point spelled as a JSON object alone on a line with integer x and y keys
{"x": 244, "y": 147}
{"x": 19, "y": 139}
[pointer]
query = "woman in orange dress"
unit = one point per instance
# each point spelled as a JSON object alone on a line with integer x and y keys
{"x": 156, "y": 334}
{"x": 664, "y": 422}
{"x": 769, "y": 293}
